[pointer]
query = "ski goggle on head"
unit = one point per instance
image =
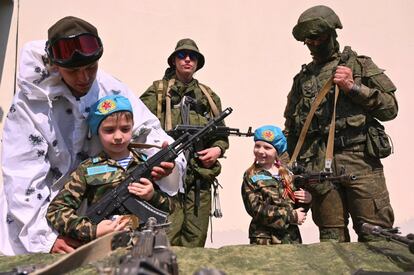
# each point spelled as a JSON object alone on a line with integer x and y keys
{"x": 75, "y": 50}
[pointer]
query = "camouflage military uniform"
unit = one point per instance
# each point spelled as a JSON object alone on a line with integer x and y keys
{"x": 86, "y": 184}
{"x": 187, "y": 229}
{"x": 356, "y": 131}
{"x": 273, "y": 217}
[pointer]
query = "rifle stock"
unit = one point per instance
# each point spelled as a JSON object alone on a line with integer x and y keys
{"x": 119, "y": 200}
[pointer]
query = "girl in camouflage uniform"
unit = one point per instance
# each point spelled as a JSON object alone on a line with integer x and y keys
{"x": 111, "y": 119}
{"x": 268, "y": 193}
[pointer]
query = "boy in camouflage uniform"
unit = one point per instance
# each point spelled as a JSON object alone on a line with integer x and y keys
{"x": 111, "y": 119}
{"x": 180, "y": 99}
{"x": 366, "y": 95}
{"x": 268, "y": 193}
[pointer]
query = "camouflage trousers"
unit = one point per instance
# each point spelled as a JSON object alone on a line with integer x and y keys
{"x": 366, "y": 199}
{"x": 188, "y": 229}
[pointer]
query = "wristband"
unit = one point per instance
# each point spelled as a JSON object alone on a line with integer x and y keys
{"x": 356, "y": 89}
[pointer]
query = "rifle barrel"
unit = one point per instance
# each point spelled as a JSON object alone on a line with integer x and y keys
{"x": 376, "y": 230}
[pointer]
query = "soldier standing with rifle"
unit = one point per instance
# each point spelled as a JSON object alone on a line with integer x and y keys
{"x": 347, "y": 94}
{"x": 180, "y": 99}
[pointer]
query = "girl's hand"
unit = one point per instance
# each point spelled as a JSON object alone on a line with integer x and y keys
{"x": 109, "y": 226}
{"x": 142, "y": 189}
{"x": 301, "y": 215}
{"x": 303, "y": 196}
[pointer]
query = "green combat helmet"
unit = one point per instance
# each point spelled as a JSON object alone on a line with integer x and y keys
{"x": 314, "y": 21}
{"x": 190, "y": 45}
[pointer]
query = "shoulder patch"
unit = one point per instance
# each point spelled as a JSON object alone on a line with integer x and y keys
{"x": 95, "y": 160}
{"x": 100, "y": 169}
{"x": 256, "y": 178}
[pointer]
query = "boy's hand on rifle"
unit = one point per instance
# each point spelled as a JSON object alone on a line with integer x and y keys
{"x": 109, "y": 226}
{"x": 303, "y": 196}
{"x": 143, "y": 189}
{"x": 165, "y": 168}
{"x": 209, "y": 156}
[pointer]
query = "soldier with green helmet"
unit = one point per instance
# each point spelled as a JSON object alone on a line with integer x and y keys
{"x": 178, "y": 98}
{"x": 365, "y": 97}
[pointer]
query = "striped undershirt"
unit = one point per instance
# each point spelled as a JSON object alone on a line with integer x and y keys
{"x": 124, "y": 162}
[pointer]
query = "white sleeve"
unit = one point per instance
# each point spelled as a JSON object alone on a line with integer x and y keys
{"x": 148, "y": 129}
{"x": 5, "y": 243}
{"x": 25, "y": 167}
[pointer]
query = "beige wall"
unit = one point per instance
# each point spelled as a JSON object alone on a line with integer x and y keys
{"x": 8, "y": 21}
{"x": 6, "y": 14}
{"x": 251, "y": 58}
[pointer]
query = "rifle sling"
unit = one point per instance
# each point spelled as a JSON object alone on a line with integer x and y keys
{"x": 143, "y": 145}
{"x": 321, "y": 95}
{"x": 331, "y": 138}
{"x": 168, "y": 121}
{"x": 197, "y": 190}
{"x": 213, "y": 105}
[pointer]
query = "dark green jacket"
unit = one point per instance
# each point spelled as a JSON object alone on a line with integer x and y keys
{"x": 200, "y": 114}
{"x": 354, "y": 113}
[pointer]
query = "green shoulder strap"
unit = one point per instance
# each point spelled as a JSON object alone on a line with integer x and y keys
{"x": 159, "y": 86}
{"x": 163, "y": 91}
{"x": 208, "y": 92}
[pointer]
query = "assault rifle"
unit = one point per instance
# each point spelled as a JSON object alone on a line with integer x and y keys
{"x": 220, "y": 131}
{"x": 392, "y": 234}
{"x": 120, "y": 201}
{"x": 305, "y": 179}
{"x": 150, "y": 254}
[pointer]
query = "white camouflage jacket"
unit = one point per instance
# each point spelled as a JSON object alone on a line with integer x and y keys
{"x": 45, "y": 137}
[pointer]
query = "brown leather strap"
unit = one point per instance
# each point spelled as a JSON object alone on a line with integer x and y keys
{"x": 321, "y": 95}
{"x": 168, "y": 120}
{"x": 330, "y": 144}
{"x": 88, "y": 253}
{"x": 213, "y": 105}
{"x": 143, "y": 145}
{"x": 160, "y": 91}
